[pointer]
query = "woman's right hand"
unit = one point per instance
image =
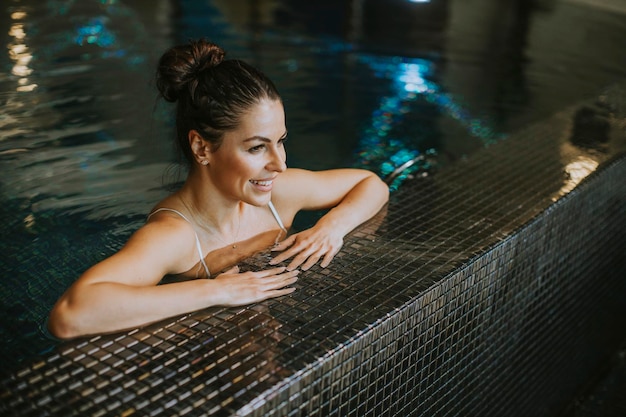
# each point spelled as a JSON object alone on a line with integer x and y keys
{"x": 240, "y": 288}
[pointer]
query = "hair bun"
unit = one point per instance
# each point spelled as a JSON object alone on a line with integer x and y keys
{"x": 206, "y": 55}
{"x": 183, "y": 64}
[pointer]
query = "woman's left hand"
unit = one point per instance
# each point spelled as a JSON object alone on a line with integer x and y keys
{"x": 308, "y": 247}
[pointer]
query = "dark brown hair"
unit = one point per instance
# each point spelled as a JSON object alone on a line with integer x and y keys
{"x": 211, "y": 92}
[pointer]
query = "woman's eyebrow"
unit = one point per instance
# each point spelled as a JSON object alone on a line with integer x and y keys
{"x": 263, "y": 138}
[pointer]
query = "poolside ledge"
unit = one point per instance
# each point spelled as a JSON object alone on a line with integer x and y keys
{"x": 492, "y": 287}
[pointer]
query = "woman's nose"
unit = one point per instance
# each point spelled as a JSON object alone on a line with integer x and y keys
{"x": 278, "y": 161}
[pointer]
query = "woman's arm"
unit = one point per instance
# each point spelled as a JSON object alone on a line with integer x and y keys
{"x": 121, "y": 292}
{"x": 355, "y": 196}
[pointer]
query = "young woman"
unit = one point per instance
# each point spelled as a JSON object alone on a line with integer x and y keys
{"x": 239, "y": 196}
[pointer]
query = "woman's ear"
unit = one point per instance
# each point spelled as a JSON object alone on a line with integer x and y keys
{"x": 200, "y": 148}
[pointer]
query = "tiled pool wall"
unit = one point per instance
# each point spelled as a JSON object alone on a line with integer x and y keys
{"x": 492, "y": 287}
{"x": 517, "y": 331}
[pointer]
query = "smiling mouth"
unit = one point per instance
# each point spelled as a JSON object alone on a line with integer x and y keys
{"x": 262, "y": 183}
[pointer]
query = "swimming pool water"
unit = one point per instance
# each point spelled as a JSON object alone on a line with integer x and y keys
{"x": 86, "y": 148}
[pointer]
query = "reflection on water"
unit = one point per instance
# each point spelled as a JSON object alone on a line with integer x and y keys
{"x": 397, "y": 158}
{"x": 85, "y": 148}
{"x": 78, "y": 178}
{"x": 68, "y": 141}
{"x": 18, "y": 52}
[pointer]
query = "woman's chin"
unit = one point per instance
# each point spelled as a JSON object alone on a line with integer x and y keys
{"x": 259, "y": 199}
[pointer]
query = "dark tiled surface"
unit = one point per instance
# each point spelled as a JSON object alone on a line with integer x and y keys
{"x": 606, "y": 396}
{"x": 484, "y": 289}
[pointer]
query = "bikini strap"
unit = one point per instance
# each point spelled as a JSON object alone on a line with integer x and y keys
{"x": 206, "y": 268}
{"x": 276, "y": 216}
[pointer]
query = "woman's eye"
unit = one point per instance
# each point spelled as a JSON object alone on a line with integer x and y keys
{"x": 256, "y": 149}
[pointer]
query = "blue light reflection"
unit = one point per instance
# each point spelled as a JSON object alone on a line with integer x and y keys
{"x": 410, "y": 80}
{"x": 95, "y": 32}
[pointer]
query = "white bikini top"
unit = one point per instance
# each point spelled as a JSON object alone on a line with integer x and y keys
{"x": 204, "y": 265}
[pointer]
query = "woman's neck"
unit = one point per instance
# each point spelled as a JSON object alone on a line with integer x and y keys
{"x": 210, "y": 210}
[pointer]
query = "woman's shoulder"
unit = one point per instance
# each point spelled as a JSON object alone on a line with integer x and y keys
{"x": 168, "y": 223}
{"x": 170, "y": 213}
{"x": 166, "y": 239}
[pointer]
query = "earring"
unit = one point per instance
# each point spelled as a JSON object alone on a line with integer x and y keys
{"x": 204, "y": 162}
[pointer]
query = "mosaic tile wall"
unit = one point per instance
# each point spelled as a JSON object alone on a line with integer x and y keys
{"x": 492, "y": 287}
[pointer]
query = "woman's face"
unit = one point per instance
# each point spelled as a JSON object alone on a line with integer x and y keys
{"x": 251, "y": 157}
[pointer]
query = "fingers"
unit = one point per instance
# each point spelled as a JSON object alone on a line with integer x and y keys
{"x": 306, "y": 259}
{"x": 250, "y": 287}
{"x": 269, "y": 279}
{"x": 296, "y": 246}
{"x": 269, "y": 272}
{"x": 282, "y": 291}
{"x": 280, "y": 281}
{"x": 330, "y": 255}
{"x": 284, "y": 255}
{"x": 328, "y": 258}
{"x": 281, "y": 274}
{"x": 285, "y": 243}
{"x": 278, "y": 293}
{"x": 272, "y": 286}
{"x": 305, "y": 255}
